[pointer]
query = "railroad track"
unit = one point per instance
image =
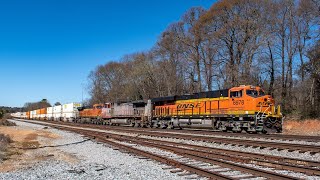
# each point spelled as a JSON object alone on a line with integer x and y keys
{"x": 258, "y": 136}
{"x": 210, "y": 155}
{"x": 227, "y": 134}
{"x": 281, "y": 137}
{"x": 302, "y": 148}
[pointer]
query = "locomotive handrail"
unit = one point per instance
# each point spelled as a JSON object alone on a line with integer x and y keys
{"x": 258, "y": 114}
{"x": 267, "y": 109}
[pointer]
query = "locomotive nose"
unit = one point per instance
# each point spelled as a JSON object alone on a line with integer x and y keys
{"x": 267, "y": 98}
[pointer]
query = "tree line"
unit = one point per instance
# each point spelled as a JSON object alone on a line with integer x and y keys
{"x": 270, "y": 43}
{"x": 4, "y": 110}
{"x": 30, "y": 106}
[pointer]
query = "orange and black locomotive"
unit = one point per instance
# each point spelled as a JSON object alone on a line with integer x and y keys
{"x": 239, "y": 108}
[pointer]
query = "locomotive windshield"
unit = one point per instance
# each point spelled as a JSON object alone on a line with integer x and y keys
{"x": 261, "y": 93}
{"x": 98, "y": 107}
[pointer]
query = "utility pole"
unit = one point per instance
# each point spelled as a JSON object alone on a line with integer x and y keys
{"x": 82, "y": 93}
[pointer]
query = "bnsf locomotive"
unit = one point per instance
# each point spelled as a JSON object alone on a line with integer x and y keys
{"x": 243, "y": 108}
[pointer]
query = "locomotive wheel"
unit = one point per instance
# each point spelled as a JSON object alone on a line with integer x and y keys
{"x": 156, "y": 126}
{"x": 221, "y": 127}
{"x": 272, "y": 126}
{"x": 164, "y": 126}
{"x": 170, "y": 127}
{"x": 137, "y": 125}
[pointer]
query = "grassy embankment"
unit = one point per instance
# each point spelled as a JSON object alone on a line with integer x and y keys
{"x": 4, "y": 139}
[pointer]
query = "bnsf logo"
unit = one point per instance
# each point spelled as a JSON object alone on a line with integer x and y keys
{"x": 186, "y": 106}
{"x": 263, "y": 104}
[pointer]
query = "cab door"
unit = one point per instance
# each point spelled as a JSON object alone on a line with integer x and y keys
{"x": 237, "y": 100}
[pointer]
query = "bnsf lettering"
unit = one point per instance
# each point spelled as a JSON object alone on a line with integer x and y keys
{"x": 186, "y": 106}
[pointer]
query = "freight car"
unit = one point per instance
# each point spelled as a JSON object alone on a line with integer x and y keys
{"x": 42, "y": 114}
{"x": 21, "y": 115}
{"x": 70, "y": 111}
{"x": 50, "y": 116}
{"x": 57, "y": 113}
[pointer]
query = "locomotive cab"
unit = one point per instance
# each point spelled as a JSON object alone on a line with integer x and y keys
{"x": 252, "y": 101}
{"x": 237, "y": 99}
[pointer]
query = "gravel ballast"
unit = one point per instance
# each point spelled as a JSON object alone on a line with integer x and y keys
{"x": 94, "y": 161}
{"x": 267, "y": 151}
{"x": 91, "y": 166}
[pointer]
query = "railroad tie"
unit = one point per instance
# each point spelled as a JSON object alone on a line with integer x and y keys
{"x": 176, "y": 171}
{"x": 185, "y": 174}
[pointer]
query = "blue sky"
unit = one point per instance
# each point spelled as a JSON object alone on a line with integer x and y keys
{"x": 48, "y": 48}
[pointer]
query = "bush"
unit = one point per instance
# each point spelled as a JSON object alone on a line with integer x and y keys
{"x": 4, "y": 141}
{"x": 4, "y": 122}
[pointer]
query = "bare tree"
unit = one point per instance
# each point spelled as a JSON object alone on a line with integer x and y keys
{"x": 258, "y": 42}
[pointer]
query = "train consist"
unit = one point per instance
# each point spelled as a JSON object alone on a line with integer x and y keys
{"x": 243, "y": 108}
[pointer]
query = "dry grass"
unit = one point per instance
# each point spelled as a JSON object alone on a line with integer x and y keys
{"x": 4, "y": 121}
{"x": 4, "y": 142}
{"x": 302, "y": 127}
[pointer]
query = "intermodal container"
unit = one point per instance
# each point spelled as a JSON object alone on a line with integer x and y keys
{"x": 70, "y": 111}
{"x": 57, "y": 112}
{"x": 49, "y": 113}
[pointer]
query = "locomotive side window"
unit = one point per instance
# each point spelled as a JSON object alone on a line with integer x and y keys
{"x": 236, "y": 94}
{"x": 253, "y": 93}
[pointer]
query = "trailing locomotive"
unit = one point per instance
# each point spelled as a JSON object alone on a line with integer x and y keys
{"x": 243, "y": 108}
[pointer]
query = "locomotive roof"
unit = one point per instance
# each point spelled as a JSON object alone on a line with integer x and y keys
{"x": 207, "y": 94}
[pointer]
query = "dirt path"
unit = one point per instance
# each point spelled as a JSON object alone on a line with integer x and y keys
{"x": 25, "y": 150}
